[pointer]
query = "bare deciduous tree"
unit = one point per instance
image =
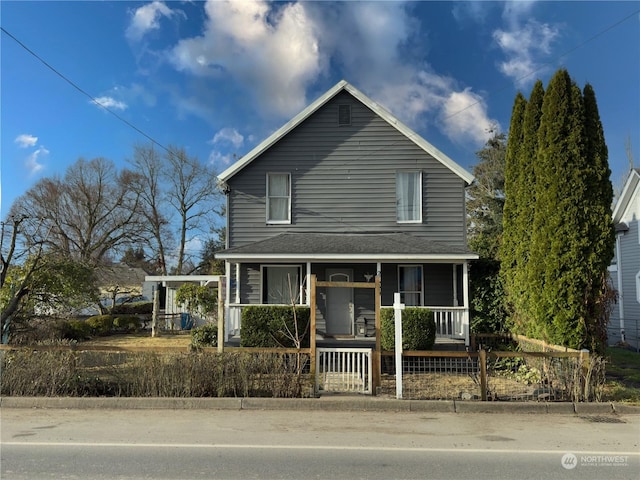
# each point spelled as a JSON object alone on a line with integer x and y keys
{"x": 192, "y": 193}
{"x": 148, "y": 165}
{"x": 89, "y": 214}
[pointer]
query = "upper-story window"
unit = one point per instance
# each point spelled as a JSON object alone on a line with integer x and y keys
{"x": 409, "y": 196}
{"x": 278, "y": 198}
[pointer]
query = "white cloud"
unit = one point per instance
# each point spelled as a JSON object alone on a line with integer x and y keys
{"x": 25, "y": 140}
{"x": 110, "y": 102}
{"x": 147, "y": 18}
{"x": 34, "y": 161}
{"x": 228, "y": 135}
{"x": 134, "y": 93}
{"x": 279, "y": 51}
{"x": 525, "y": 42}
{"x": 221, "y": 161}
{"x": 414, "y": 92}
{"x": 270, "y": 49}
{"x": 465, "y": 116}
{"x": 471, "y": 11}
{"x": 460, "y": 114}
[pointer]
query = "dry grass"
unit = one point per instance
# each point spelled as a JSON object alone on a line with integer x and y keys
{"x": 142, "y": 339}
{"x": 438, "y": 386}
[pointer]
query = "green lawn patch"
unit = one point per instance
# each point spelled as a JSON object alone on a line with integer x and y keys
{"x": 623, "y": 375}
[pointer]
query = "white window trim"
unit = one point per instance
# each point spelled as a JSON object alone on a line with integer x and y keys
{"x": 301, "y": 300}
{"x": 421, "y": 280}
{"x": 638, "y": 287}
{"x": 420, "y": 182}
{"x": 277, "y": 222}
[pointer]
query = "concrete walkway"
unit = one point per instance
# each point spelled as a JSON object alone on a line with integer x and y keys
{"x": 324, "y": 403}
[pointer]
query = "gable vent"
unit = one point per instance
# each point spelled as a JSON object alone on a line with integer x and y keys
{"x": 344, "y": 114}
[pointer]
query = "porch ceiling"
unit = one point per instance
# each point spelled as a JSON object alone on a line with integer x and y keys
{"x": 356, "y": 247}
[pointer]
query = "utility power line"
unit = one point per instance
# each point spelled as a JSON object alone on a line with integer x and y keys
{"x": 84, "y": 92}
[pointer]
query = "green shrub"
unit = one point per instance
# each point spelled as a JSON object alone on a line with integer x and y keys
{"x": 136, "y": 308}
{"x": 75, "y": 330}
{"x": 127, "y": 323}
{"x": 274, "y": 326}
{"x": 100, "y": 324}
{"x": 418, "y": 329}
{"x": 205, "y": 336}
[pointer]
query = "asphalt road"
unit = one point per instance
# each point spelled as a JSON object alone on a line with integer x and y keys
{"x": 207, "y": 444}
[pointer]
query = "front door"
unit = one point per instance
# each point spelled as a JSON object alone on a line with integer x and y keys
{"x": 339, "y": 303}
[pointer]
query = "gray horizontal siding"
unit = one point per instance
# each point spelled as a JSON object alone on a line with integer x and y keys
{"x": 343, "y": 180}
{"x": 630, "y": 252}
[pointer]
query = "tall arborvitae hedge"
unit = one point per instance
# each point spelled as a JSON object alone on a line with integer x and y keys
{"x": 511, "y": 236}
{"x": 526, "y": 187}
{"x": 563, "y": 230}
{"x": 599, "y": 226}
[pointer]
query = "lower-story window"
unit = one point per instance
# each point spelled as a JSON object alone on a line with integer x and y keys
{"x": 410, "y": 284}
{"x": 281, "y": 284}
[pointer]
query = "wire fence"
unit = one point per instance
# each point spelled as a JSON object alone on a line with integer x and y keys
{"x": 496, "y": 376}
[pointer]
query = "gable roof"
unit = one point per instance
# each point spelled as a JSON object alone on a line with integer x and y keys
{"x": 369, "y": 247}
{"x": 120, "y": 274}
{"x": 627, "y": 194}
{"x": 378, "y": 109}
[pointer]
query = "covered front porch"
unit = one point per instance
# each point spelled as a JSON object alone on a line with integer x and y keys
{"x": 277, "y": 271}
{"x": 452, "y": 329}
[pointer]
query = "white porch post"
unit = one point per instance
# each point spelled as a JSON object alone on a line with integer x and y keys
{"x": 227, "y": 298}
{"x": 465, "y": 299}
{"x": 307, "y": 284}
{"x": 455, "y": 285}
{"x": 238, "y": 282}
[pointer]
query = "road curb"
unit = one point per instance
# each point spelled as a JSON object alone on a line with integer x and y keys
{"x": 325, "y": 403}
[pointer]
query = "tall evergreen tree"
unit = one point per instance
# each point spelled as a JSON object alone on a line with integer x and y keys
{"x": 485, "y": 198}
{"x": 511, "y": 212}
{"x": 566, "y": 267}
{"x": 599, "y": 224}
{"x": 485, "y": 203}
{"x": 526, "y": 179}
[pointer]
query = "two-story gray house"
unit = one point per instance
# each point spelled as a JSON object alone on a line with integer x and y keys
{"x": 625, "y": 267}
{"x": 346, "y": 191}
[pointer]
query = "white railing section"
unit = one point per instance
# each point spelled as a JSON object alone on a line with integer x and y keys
{"x": 344, "y": 370}
{"x": 232, "y": 317}
{"x": 451, "y": 322}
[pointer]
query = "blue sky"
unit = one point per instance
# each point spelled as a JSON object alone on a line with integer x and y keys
{"x": 218, "y": 77}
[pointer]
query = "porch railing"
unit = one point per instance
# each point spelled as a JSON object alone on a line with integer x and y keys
{"x": 451, "y": 322}
{"x": 232, "y": 316}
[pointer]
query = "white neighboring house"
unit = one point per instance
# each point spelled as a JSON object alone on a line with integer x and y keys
{"x": 625, "y": 267}
{"x": 174, "y": 313}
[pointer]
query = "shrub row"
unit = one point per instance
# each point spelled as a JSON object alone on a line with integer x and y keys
{"x": 196, "y": 374}
{"x": 135, "y": 308}
{"x": 99, "y": 325}
{"x": 418, "y": 329}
